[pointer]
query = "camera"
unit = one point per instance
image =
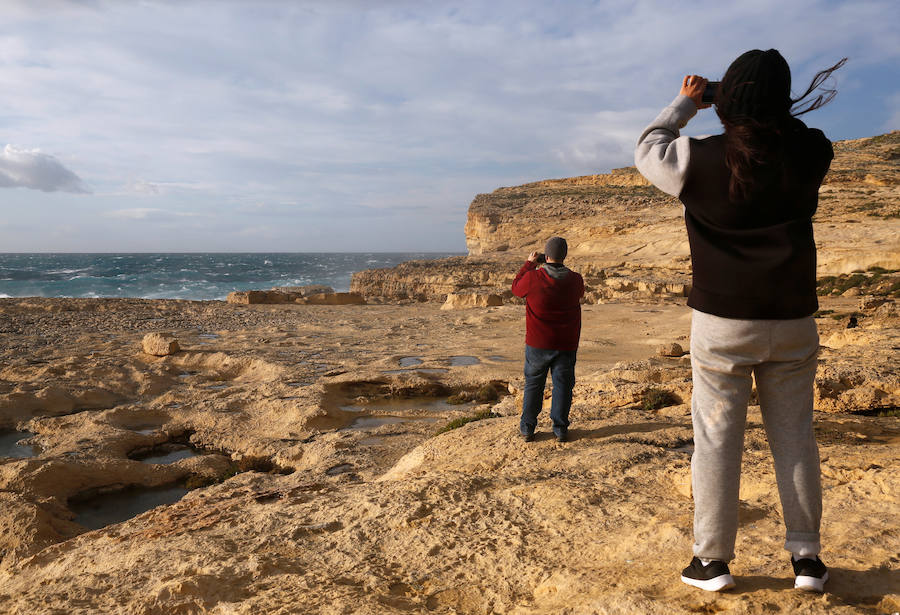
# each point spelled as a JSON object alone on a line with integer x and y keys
{"x": 709, "y": 94}
{"x": 541, "y": 258}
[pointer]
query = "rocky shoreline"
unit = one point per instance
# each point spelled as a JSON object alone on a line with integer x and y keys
{"x": 331, "y": 455}
{"x": 324, "y": 485}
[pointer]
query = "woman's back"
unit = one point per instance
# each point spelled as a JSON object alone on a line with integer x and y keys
{"x": 755, "y": 258}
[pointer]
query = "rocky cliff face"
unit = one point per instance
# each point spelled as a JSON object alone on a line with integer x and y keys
{"x": 628, "y": 238}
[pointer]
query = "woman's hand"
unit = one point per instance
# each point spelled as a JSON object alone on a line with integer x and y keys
{"x": 693, "y": 87}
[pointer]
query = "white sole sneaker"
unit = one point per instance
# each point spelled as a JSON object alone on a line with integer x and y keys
{"x": 811, "y": 584}
{"x": 716, "y": 584}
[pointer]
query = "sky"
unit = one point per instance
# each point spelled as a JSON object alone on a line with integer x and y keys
{"x": 352, "y": 125}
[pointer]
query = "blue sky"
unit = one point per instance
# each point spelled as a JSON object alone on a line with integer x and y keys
{"x": 358, "y": 126}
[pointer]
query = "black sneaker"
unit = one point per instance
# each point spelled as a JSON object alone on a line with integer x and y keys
{"x": 811, "y": 574}
{"x": 562, "y": 436}
{"x": 714, "y": 577}
{"x": 527, "y": 437}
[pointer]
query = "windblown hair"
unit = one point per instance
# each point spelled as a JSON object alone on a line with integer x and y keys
{"x": 756, "y": 140}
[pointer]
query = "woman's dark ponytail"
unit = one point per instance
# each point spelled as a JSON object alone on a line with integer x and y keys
{"x": 816, "y": 84}
{"x": 755, "y": 107}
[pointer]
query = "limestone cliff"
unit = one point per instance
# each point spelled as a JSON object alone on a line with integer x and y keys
{"x": 628, "y": 237}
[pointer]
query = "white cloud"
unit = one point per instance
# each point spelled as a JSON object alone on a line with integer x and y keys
{"x": 149, "y": 213}
{"x": 138, "y": 213}
{"x": 139, "y": 186}
{"x": 24, "y": 168}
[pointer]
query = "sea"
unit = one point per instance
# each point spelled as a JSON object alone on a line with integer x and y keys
{"x": 198, "y": 276}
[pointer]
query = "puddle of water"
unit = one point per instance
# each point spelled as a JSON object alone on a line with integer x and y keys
{"x": 298, "y": 383}
{"x": 464, "y": 360}
{"x": 355, "y": 407}
{"x": 368, "y": 422}
{"x": 217, "y": 387}
{"x": 166, "y": 453}
{"x": 499, "y": 358}
{"x": 410, "y": 361}
{"x": 208, "y": 336}
{"x": 145, "y": 428}
{"x": 426, "y": 370}
{"x": 171, "y": 456}
{"x": 338, "y": 469}
{"x": 108, "y": 508}
{"x": 10, "y": 447}
{"x": 394, "y": 405}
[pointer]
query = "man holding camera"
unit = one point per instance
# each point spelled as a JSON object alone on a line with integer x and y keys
{"x": 552, "y": 296}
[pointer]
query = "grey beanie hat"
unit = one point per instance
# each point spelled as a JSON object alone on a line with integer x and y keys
{"x": 556, "y": 249}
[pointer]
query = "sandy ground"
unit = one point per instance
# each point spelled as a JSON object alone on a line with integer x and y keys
{"x": 334, "y": 514}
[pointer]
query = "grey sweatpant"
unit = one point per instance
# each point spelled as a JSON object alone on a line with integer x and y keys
{"x": 726, "y": 354}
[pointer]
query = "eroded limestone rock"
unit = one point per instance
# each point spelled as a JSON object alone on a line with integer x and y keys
{"x": 278, "y": 294}
{"x": 160, "y": 344}
{"x": 331, "y": 299}
{"x": 459, "y": 301}
{"x": 672, "y": 349}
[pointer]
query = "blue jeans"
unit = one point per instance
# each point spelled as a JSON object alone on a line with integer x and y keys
{"x": 561, "y": 364}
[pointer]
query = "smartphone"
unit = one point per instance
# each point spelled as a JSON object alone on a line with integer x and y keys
{"x": 709, "y": 94}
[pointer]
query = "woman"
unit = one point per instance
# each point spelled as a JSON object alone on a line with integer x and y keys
{"x": 749, "y": 196}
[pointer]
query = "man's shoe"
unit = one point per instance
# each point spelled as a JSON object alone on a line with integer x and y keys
{"x": 714, "y": 577}
{"x": 811, "y": 574}
{"x": 527, "y": 437}
{"x": 562, "y": 437}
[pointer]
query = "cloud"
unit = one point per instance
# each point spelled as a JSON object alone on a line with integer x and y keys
{"x": 140, "y": 186}
{"x": 138, "y": 213}
{"x": 149, "y": 213}
{"x": 23, "y": 168}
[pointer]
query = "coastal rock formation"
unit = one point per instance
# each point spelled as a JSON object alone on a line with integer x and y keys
{"x": 331, "y": 299}
{"x": 159, "y": 344}
{"x": 628, "y": 239}
{"x": 279, "y": 294}
{"x": 460, "y": 301}
{"x": 386, "y": 507}
{"x": 672, "y": 349}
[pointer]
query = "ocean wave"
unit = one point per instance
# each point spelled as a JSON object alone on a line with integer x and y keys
{"x": 200, "y": 277}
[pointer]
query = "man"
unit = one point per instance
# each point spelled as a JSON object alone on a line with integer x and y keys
{"x": 552, "y": 327}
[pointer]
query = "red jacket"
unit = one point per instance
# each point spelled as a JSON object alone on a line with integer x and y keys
{"x": 552, "y": 307}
